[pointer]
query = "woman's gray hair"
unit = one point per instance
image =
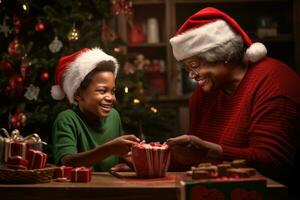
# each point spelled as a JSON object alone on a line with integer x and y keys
{"x": 231, "y": 51}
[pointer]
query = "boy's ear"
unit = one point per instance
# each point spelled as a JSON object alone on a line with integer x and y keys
{"x": 77, "y": 95}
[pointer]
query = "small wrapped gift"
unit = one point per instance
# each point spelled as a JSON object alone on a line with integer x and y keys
{"x": 17, "y": 162}
{"x": 16, "y": 145}
{"x": 14, "y": 148}
{"x": 151, "y": 160}
{"x": 37, "y": 159}
{"x": 81, "y": 174}
{"x": 62, "y": 172}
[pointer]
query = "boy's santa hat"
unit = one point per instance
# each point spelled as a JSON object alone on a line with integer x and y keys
{"x": 208, "y": 29}
{"x": 72, "y": 69}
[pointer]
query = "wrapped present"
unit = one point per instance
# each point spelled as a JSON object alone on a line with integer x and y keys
{"x": 81, "y": 174}
{"x": 150, "y": 160}
{"x": 17, "y": 162}
{"x": 62, "y": 172}
{"x": 37, "y": 159}
{"x": 16, "y": 145}
{"x": 3, "y": 140}
{"x": 14, "y": 148}
{"x": 224, "y": 188}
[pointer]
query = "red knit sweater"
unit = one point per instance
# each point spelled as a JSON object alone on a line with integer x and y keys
{"x": 257, "y": 122}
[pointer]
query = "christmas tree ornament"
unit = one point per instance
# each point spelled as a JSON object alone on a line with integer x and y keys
{"x": 15, "y": 86}
{"x": 32, "y": 92}
{"x": 73, "y": 34}
{"x": 44, "y": 76}
{"x": 39, "y": 27}
{"x": 4, "y": 28}
{"x": 17, "y": 24}
{"x": 6, "y": 67}
{"x": 18, "y": 120}
{"x": 13, "y": 47}
{"x": 125, "y": 6}
{"x": 56, "y": 45}
{"x": 24, "y": 65}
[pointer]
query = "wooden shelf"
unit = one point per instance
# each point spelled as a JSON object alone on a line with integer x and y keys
{"x": 151, "y": 45}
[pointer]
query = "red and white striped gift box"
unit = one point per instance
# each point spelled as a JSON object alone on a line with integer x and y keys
{"x": 37, "y": 159}
{"x": 14, "y": 148}
{"x": 17, "y": 162}
{"x": 81, "y": 174}
{"x": 63, "y": 172}
{"x": 151, "y": 160}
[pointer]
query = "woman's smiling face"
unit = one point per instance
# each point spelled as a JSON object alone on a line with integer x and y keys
{"x": 208, "y": 76}
{"x": 97, "y": 99}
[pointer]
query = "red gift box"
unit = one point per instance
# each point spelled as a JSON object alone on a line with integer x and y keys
{"x": 81, "y": 174}
{"x": 17, "y": 162}
{"x": 62, "y": 172}
{"x": 14, "y": 148}
{"x": 37, "y": 159}
{"x": 151, "y": 160}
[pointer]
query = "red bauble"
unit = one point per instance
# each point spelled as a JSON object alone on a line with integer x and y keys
{"x": 6, "y": 67}
{"x": 39, "y": 27}
{"x": 18, "y": 120}
{"x": 17, "y": 24}
{"x": 44, "y": 76}
{"x": 15, "y": 86}
{"x": 13, "y": 47}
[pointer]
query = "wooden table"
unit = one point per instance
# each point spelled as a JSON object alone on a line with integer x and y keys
{"x": 106, "y": 186}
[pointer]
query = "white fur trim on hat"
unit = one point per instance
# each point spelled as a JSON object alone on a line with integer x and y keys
{"x": 81, "y": 66}
{"x": 195, "y": 41}
{"x": 255, "y": 52}
{"x": 57, "y": 93}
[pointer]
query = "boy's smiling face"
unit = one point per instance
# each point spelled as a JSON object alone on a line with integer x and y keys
{"x": 97, "y": 99}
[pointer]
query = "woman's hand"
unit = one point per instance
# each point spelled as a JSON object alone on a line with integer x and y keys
{"x": 193, "y": 149}
{"x": 122, "y": 145}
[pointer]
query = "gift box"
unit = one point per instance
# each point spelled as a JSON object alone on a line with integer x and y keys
{"x": 150, "y": 160}
{"x": 3, "y": 140}
{"x": 62, "y": 172}
{"x": 37, "y": 159}
{"x": 224, "y": 188}
{"x": 16, "y": 145}
{"x": 14, "y": 148}
{"x": 17, "y": 162}
{"x": 81, "y": 174}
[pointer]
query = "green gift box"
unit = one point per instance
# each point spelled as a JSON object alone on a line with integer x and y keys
{"x": 224, "y": 189}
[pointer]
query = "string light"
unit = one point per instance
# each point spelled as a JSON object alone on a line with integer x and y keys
{"x": 153, "y": 109}
{"x": 136, "y": 101}
{"x": 117, "y": 50}
{"x": 73, "y": 34}
{"x": 126, "y": 89}
{"x": 25, "y": 8}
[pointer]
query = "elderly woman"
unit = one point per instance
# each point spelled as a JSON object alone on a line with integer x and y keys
{"x": 245, "y": 105}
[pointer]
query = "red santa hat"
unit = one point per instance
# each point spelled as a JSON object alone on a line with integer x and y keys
{"x": 72, "y": 69}
{"x": 207, "y": 29}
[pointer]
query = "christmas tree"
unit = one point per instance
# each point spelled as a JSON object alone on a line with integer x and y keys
{"x": 34, "y": 34}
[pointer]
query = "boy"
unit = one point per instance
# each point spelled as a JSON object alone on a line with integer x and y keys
{"x": 89, "y": 134}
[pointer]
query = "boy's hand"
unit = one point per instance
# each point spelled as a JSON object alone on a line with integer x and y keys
{"x": 122, "y": 145}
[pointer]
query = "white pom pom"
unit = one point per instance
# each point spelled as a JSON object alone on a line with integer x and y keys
{"x": 255, "y": 52}
{"x": 57, "y": 93}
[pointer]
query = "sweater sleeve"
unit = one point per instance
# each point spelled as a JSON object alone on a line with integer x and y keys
{"x": 270, "y": 134}
{"x": 64, "y": 140}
